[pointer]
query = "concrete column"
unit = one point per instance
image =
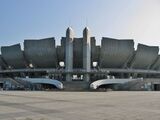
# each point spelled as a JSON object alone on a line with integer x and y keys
{"x": 69, "y": 53}
{"x": 86, "y": 53}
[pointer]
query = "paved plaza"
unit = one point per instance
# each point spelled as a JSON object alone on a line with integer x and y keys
{"x": 16, "y": 105}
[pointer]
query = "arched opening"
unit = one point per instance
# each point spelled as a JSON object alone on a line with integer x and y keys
{"x": 107, "y": 87}
{"x": 45, "y": 87}
{"x": 1, "y": 85}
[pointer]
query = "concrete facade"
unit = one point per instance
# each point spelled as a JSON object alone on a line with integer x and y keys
{"x": 83, "y": 60}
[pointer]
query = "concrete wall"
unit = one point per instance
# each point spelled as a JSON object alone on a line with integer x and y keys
{"x": 41, "y": 53}
{"x": 144, "y": 57}
{"x": 2, "y": 63}
{"x": 78, "y": 53}
{"x": 156, "y": 65}
{"x": 143, "y": 84}
{"x": 114, "y": 53}
{"x": 13, "y": 56}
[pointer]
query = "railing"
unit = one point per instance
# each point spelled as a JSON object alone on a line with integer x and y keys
{"x": 81, "y": 71}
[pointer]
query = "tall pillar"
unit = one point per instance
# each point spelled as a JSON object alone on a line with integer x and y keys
{"x": 86, "y": 53}
{"x": 69, "y": 53}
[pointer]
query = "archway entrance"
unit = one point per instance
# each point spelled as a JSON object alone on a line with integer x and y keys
{"x": 107, "y": 87}
{"x": 46, "y": 87}
{"x": 156, "y": 87}
{"x": 1, "y": 86}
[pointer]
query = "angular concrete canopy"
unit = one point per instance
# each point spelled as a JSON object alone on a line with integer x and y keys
{"x": 144, "y": 57}
{"x": 13, "y": 56}
{"x": 114, "y": 53}
{"x": 41, "y": 53}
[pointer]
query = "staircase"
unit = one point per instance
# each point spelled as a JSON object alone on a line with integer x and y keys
{"x": 76, "y": 86}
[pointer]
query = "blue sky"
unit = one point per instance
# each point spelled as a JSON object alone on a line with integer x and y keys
{"x": 29, "y": 19}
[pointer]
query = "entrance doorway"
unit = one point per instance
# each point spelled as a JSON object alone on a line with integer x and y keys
{"x": 156, "y": 87}
{"x": 1, "y": 86}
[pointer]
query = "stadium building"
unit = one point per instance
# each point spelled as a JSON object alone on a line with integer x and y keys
{"x": 79, "y": 64}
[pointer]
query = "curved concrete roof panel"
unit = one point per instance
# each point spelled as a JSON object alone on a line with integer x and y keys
{"x": 115, "y": 53}
{"x": 156, "y": 65}
{"x": 41, "y": 53}
{"x": 13, "y": 56}
{"x": 144, "y": 56}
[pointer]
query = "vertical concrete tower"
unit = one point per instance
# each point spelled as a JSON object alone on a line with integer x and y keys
{"x": 86, "y": 53}
{"x": 69, "y": 53}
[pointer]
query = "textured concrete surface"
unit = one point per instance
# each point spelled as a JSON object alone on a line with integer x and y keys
{"x": 156, "y": 65}
{"x": 145, "y": 56}
{"x": 69, "y": 53}
{"x": 41, "y": 52}
{"x": 115, "y": 53}
{"x": 86, "y": 52}
{"x": 79, "y": 105}
{"x": 13, "y": 56}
